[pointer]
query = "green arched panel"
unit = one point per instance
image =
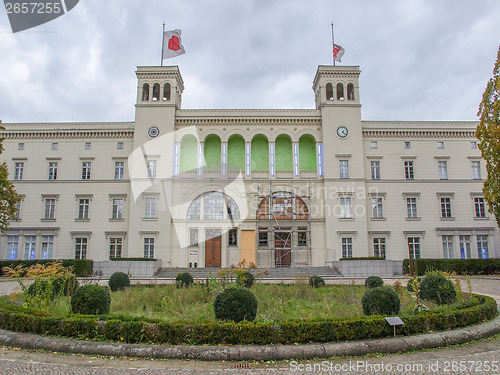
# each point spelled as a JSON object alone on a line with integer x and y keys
{"x": 284, "y": 155}
{"x": 307, "y": 153}
{"x": 188, "y": 153}
{"x": 236, "y": 153}
{"x": 260, "y": 153}
{"x": 212, "y": 153}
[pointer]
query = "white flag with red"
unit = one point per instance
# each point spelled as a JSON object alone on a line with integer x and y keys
{"x": 172, "y": 44}
{"x": 338, "y": 52}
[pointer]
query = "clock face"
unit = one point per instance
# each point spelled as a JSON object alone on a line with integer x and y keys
{"x": 153, "y": 132}
{"x": 342, "y": 132}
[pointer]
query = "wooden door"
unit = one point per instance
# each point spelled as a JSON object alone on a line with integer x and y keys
{"x": 283, "y": 251}
{"x": 213, "y": 245}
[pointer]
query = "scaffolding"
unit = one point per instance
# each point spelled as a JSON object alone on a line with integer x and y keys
{"x": 284, "y": 224}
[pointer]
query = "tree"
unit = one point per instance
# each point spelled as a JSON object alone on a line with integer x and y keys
{"x": 488, "y": 133}
{"x": 8, "y": 195}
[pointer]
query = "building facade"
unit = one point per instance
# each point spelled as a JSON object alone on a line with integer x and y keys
{"x": 213, "y": 188}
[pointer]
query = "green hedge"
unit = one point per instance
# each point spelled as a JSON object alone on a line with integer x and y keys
{"x": 115, "y": 327}
{"x": 460, "y": 266}
{"x": 82, "y": 267}
{"x": 363, "y": 258}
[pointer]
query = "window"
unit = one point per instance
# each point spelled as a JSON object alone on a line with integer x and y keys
{"x": 81, "y": 248}
{"x": 476, "y": 170}
{"x": 86, "y": 167}
{"x": 329, "y": 91}
{"x": 12, "y": 247}
{"x": 145, "y": 91}
{"x": 50, "y": 208}
{"x": 47, "y": 246}
{"x": 379, "y": 247}
{"x": 19, "y": 171}
{"x": 302, "y": 236}
{"x": 151, "y": 168}
{"x": 407, "y": 145}
{"x": 344, "y": 168}
{"x": 150, "y": 208}
{"x": 482, "y": 247}
{"x": 479, "y": 208}
{"x": 115, "y": 247}
{"x": 194, "y": 210}
{"x": 53, "y": 170}
{"x": 465, "y": 252}
{"x": 440, "y": 144}
{"x": 214, "y": 206}
{"x": 473, "y": 145}
{"x": 377, "y": 209}
{"x": 443, "y": 170}
{"x": 88, "y": 145}
{"x": 156, "y": 91}
{"x": 193, "y": 237}
{"x": 29, "y": 247}
{"x": 233, "y": 237}
{"x": 373, "y": 144}
{"x": 55, "y": 146}
{"x": 345, "y": 208}
{"x": 119, "y": 145}
{"x": 409, "y": 170}
{"x": 119, "y": 170}
{"x": 83, "y": 208}
{"x": 17, "y": 214}
{"x": 411, "y": 207}
{"x": 20, "y": 146}
{"x": 448, "y": 250}
{"x": 346, "y": 247}
{"x": 375, "y": 170}
{"x": 414, "y": 247}
{"x": 446, "y": 207}
{"x": 340, "y": 91}
{"x": 117, "y": 208}
{"x": 149, "y": 248}
{"x": 263, "y": 237}
{"x": 166, "y": 91}
{"x": 350, "y": 91}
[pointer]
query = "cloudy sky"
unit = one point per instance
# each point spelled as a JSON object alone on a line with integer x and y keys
{"x": 420, "y": 59}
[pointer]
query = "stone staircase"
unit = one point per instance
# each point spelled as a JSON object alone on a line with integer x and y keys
{"x": 278, "y": 273}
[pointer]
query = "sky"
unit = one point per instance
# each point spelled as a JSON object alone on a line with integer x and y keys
{"x": 420, "y": 60}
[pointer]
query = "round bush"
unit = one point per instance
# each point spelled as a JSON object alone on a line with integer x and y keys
{"x": 118, "y": 281}
{"x": 65, "y": 287}
{"x": 183, "y": 280}
{"x": 435, "y": 287}
{"x": 373, "y": 282}
{"x": 382, "y": 300}
{"x": 246, "y": 279}
{"x": 91, "y": 300}
{"x": 316, "y": 281}
{"x": 409, "y": 286}
{"x": 236, "y": 304}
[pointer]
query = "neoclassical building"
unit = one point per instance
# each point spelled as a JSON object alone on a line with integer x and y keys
{"x": 211, "y": 188}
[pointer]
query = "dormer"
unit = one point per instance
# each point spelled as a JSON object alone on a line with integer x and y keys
{"x": 159, "y": 85}
{"x": 336, "y": 85}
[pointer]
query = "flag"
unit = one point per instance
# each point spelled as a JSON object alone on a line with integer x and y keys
{"x": 172, "y": 44}
{"x": 338, "y": 52}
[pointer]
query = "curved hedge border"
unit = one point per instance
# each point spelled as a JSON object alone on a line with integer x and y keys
{"x": 134, "y": 330}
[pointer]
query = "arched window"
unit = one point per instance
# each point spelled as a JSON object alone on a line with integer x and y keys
{"x": 236, "y": 153}
{"x": 340, "y": 91}
{"x": 329, "y": 91}
{"x": 188, "y": 153}
{"x": 216, "y": 206}
{"x": 307, "y": 153}
{"x": 282, "y": 206}
{"x": 145, "y": 91}
{"x": 166, "y": 91}
{"x": 284, "y": 156}
{"x": 260, "y": 153}
{"x": 212, "y": 153}
{"x": 156, "y": 91}
{"x": 350, "y": 91}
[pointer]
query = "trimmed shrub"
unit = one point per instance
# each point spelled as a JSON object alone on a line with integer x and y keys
{"x": 435, "y": 287}
{"x": 460, "y": 266}
{"x": 246, "y": 279}
{"x": 91, "y": 300}
{"x": 183, "y": 280}
{"x": 65, "y": 287}
{"x": 316, "y": 281}
{"x": 373, "y": 282}
{"x": 236, "y": 304}
{"x": 118, "y": 281}
{"x": 409, "y": 286}
{"x": 81, "y": 267}
{"x": 382, "y": 300}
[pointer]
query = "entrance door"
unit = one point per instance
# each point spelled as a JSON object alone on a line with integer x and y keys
{"x": 283, "y": 251}
{"x": 213, "y": 244}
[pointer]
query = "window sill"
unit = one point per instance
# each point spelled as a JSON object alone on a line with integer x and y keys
{"x": 447, "y": 219}
{"x": 413, "y": 218}
{"x": 346, "y": 218}
{"x": 481, "y": 218}
{"x": 82, "y": 220}
{"x": 48, "y": 220}
{"x": 379, "y": 219}
{"x": 116, "y": 219}
{"x": 149, "y": 219}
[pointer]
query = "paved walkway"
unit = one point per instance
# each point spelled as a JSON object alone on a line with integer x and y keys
{"x": 477, "y": 358}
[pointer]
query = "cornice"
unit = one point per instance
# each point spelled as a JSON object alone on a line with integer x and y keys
{"x": 419, "y": 129}
{"x": 35, "y": 131}
{"x": 418, "y": 133}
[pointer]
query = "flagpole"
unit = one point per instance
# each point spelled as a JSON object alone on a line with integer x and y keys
{"x": 333, "y": 44}
{"x": 163, "y": 42}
